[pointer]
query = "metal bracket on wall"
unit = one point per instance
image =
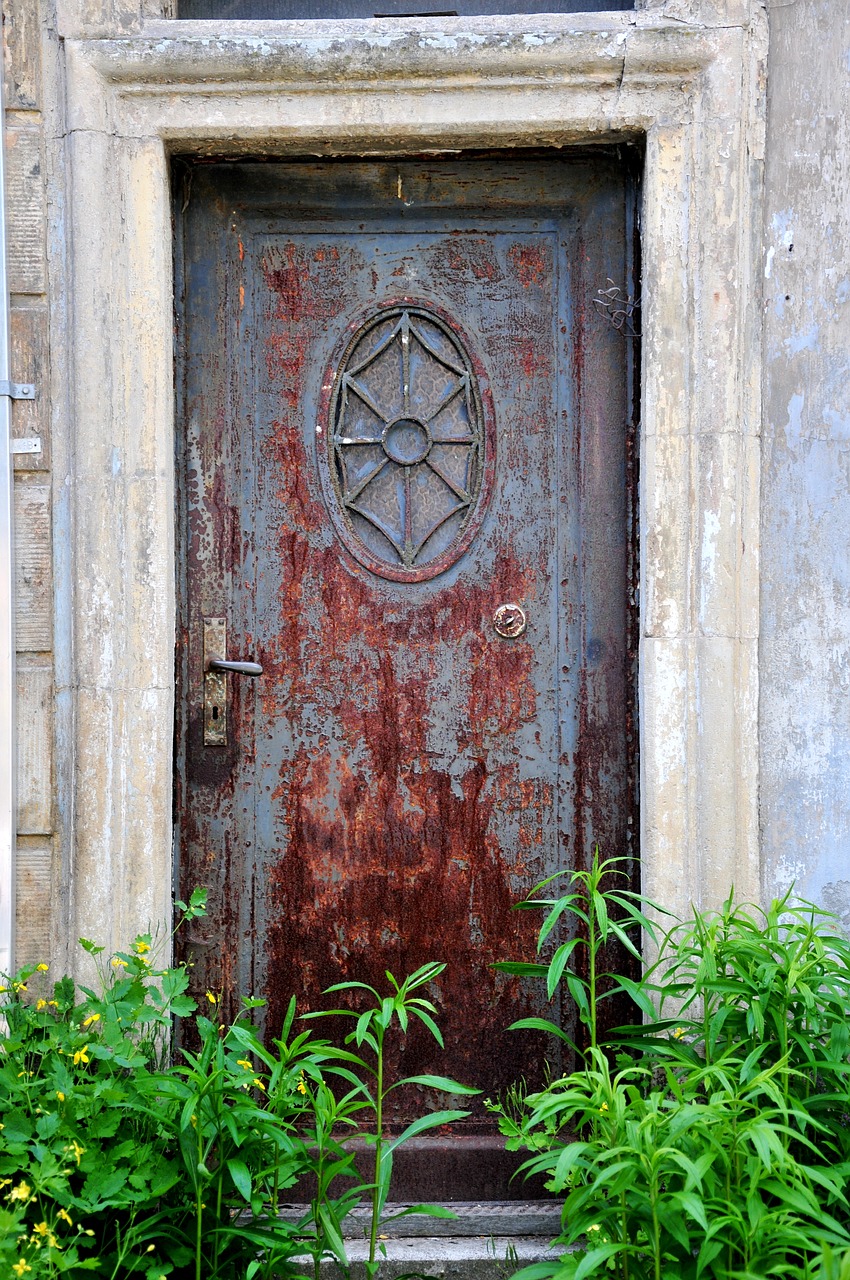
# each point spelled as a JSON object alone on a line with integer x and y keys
{"x": 25, "y": 444}
{"x": 17, "y": 390}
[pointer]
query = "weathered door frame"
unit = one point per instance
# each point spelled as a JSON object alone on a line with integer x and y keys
{"x": 692, "y": 91}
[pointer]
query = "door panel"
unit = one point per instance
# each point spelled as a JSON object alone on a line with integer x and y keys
{"x": 402, "y": 774}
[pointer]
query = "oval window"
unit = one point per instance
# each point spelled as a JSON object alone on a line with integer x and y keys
{"x": 409, "y": 452}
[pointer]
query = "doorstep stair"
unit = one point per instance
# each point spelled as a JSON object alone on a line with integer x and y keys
{"x": 486, "y": 1241}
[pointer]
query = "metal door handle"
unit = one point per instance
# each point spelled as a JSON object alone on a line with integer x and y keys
{"x": 215, "y": 680}
{"x": 240, "y": 668}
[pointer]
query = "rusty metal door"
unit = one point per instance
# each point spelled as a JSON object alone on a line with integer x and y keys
{"x": 404, "y": 492}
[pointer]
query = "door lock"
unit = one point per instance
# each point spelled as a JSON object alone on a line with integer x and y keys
{"x": 216, "y": 667}
{"x": 509, "y": 621}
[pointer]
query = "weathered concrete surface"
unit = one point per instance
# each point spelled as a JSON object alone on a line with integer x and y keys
{"x": 805, "y": 587}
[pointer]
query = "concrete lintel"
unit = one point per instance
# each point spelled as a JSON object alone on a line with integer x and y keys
{"x": 590, "y": 47}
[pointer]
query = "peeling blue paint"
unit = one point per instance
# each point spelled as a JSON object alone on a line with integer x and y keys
{"x": 807, "y": 341}
{"x": 794, "y": 425}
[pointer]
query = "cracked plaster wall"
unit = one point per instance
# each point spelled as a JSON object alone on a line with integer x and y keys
{"x": 805, "y": 581}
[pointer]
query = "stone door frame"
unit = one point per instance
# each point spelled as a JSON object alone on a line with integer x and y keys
{"x": 694, "y": 94}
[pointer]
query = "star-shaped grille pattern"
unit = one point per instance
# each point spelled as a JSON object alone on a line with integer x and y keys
{"x": 407, "y": 438}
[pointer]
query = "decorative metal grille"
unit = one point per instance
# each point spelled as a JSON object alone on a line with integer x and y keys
{"x": 406, "y": 444}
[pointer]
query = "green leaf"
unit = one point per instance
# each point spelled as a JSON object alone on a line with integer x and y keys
{"x": 595, "y": 1257}
{"x": 537, "y": 1271}
{"x": 183, "y": 1006}
{"x": 348, "y": 986}
{"x": 432, "y": 1121}
{"x": 542, "y": 1024}
{"x": 442, "y": 1083}
{"x": 693, "y": 1206}
{"x": 332, "y": 1235}
{"x": 522, "y": 969}
{"x": 90, "y": 947}
{"x": 429, "y": 1211}
{"x": 558, "y": 964}
{"x": 637, "y": 993}
{"x": 18, "y": 1128}
{"x": 425, "y": 973}
{"x": 430, "y": 1024}
{"x": 572, "y": 1154}
{"x": 241, "y": 1178}
{"x": 362, "y": 1026}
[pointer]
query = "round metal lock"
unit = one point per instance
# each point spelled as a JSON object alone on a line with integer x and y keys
{"x": 510, "y": 621}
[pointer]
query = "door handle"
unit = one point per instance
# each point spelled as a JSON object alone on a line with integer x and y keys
{"x": 215, "y": 680}
{"x": 238, "y": 668}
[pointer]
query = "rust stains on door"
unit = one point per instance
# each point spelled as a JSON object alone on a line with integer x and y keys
{"x": 404, "y": 486}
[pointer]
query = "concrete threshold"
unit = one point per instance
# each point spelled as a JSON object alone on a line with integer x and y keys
{"x": 486, "y": 1241}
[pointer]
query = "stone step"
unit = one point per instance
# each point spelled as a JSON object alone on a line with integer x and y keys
{"x": 445, "y": 1257}
{"x": 486, "y": 1241}
{"x": 509, "y": 1219}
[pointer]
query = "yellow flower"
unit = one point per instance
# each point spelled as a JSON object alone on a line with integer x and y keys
{"x": 41, "y": 1229}
{"x": 211, "y": 998}
{"x": 243, "y": 1062}
{"x": 603, "y": 1108}
{"x": 258, "y": 1084}
{"x": 42, "y": 968}
{"x": 119, "y": 964}
{"x": 81, "y": 1055}
{"x": 40, "y": 1004}
{"x": 141, "y": 946}
{"x": 302, "y": 1084}
{"x": 76, "y": 1150}
{"x": 60, "y": 1095}
{"x": 20, "y": 987}
{"x": 19, "y": 1268}
{"x": 678, "y": 1033}
{"x": 93, "y": 1017}
{"x": 53, "y": 1004}
{"x": 2, "y": 989}
{"x": 21, "y": 1192}
{"x": 65, "y": 1216}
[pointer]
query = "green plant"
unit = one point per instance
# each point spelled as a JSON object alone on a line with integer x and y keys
{"x": 600, "y": 915}
{"x": 116, "y": 1160}
{"x": 73, "y": 1171}
{"x": 711, "y": 1140}
{"x": 371, "y": 1089}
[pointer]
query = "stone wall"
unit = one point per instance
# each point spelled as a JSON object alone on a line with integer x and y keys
{"x": 26, "y": 34}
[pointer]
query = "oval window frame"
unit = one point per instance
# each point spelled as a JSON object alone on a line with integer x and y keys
{"x": 332, "y": 385}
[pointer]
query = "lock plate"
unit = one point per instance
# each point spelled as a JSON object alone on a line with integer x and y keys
{"x": 509, "y": 621}
{"x": 215, "y": 684}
